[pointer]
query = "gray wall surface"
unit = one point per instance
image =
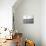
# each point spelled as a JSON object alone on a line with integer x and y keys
{"x": 29, "y": 8}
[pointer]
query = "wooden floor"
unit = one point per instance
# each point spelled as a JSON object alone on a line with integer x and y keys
{"x": 9, "y": 43}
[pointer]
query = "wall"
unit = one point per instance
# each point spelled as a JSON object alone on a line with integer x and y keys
{"x": 6, "y": 13}
{"x": 43, "y": 22}
{"x": 30, "y": 31}
{"x": 6, "y": 17}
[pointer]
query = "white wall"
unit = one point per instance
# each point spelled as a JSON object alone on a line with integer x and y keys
{"x": 6, "y": 13}
{"x": 33, "y": 8}
{"x": 29, "y": 7}
{"x": 43, "y": 22}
